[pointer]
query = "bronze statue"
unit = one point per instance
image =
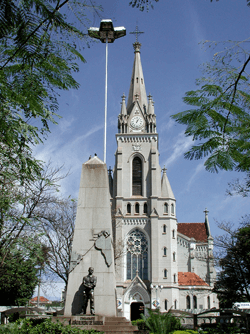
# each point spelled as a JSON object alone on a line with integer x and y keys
{"x": 89, "y": 283}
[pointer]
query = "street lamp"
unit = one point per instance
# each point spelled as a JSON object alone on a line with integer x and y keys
{"x": 106, "y": 34}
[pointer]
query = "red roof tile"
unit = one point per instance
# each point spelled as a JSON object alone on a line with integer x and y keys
{"x": 190, "y": 279}
{"x": 194, "y": 230}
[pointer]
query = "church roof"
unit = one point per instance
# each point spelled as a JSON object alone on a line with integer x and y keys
{"x": 194, "y": 230}
{"x": 41, "y": 300}
{"x": 137, "y": 88}
{"x": 187, "y": 278}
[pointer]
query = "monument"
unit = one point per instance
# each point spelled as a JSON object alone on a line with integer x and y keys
{"x": 92, "y": 248}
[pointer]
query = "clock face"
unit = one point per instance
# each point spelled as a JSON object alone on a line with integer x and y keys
{"x": 136, "y": 122}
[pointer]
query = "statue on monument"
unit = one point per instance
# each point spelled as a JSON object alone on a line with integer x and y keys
{"x": 89, "y": 283}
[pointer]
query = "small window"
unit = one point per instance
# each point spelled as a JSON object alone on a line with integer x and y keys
{"x": 173, "y": 234}
{"x": 166, "y": 208}
{"x": 208, "y": 302}
{"x": 165, "y": 251}
{"x": 174, "y": 278}
{"x": 165, "y": 273}
{"x": 172, "y": 209}
{"x": 137, "y": 208}
{"x": 174, "y": 259}
{"x": 195, "y": 302}
{"x": 166, "y": 304}
{"x": 164, "y": 229}
{"x": 137, "y": 79}
{"x": 188, "y": 302}
{"x": 129, "y": 208}
{"x": 145, "y": 208}
{"x": 175, "y": 304}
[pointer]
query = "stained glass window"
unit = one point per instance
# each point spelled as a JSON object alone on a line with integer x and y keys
{"x": 137, "y": 255}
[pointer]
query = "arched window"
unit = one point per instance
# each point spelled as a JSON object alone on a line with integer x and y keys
{"x": 137, "y": 208}
{"x": 188, "y": 302}
{"x": 208, "y": 302}
{"x": 165, "y": 251}
{"x": 174, "y": 278}
{"x": 165, "y": 208}
{"x": 195, "y": 302}
{"x": 137, "y": 255}
{"x": 145, "y": 208}
{"x": 164, "y": 228}
{"x": 166, "y": 304}
{"x": 165, "y": 273}
{"x": 174, "y": 256}
{"x": 128, "y": 208}
{"x": 173, "y": 234}
{"x": 175, "y": 304}
{"x": 137, "y": 177}
{"x": 172, "y": 209}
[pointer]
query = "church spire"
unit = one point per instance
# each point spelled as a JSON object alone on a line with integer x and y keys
{"x": 137, "y": 89}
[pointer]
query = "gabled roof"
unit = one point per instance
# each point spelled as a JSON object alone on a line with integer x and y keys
{"x": 194, "y": 230}
{"x": 187, "y": 278}
{"x": 41, "y": 300}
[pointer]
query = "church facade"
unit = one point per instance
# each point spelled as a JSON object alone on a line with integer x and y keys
{"x": 160, "y": 263}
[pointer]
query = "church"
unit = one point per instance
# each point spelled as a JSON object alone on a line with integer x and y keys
{"x": 160, "y": 263}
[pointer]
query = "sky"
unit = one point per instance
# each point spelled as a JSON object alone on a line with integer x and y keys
{"x": 171, "y": 54}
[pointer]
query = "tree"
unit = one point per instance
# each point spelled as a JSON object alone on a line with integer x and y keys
{"x": 19, "y": 271}
{"x": 233, "y": 281}
{"x": 220, "y": 114}
{"x": 57, "y": 221}
{"x": 39, "y": 52}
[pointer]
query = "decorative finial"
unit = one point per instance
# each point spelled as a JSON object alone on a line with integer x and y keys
{"x": 123, "y": 97}
{"x": 150, "y": 96}
{"x": 95, "y": 155}
{"x": 206, "y": 212}
{"x": 136, "y": 97}
{"x": 89, "y": 157}
{"x": 109, "y": 170}
{"x": 164, "y": 170}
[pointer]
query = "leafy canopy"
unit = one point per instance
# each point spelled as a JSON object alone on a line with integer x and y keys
{"x": 219, "y": 118}
{"x": 233, "y": 281}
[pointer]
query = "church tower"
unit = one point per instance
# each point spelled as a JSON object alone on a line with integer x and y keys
{"x": 147, "y": 238}
{"x": 144, "y": 208}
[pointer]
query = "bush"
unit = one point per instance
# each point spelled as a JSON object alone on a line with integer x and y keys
{"x": 140, "y": 323}
{"x": 161, "y": 323}
{"x": 187, "y": 331}
{"x": 28, "y": 326}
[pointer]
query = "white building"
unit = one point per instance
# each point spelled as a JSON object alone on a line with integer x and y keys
{"x": 160, "y": 262}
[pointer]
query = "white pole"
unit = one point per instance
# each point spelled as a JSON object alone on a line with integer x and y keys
{"x": 106, "y": 101}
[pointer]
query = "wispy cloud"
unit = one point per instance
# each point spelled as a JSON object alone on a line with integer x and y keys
{"x": 198, "y": 170}
{"x": 182, "y": 144}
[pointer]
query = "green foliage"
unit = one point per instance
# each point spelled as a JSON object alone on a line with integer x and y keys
{"x": 142, "y": 4}
{"x": 187, "y": 331}
{"x": 39, "y": 53}
{"x": 233, "y": 281}
{"x": 18, "y": 272}
{"x": 222, "y": 329}
{"x": 161, "y": 323}
{"x": 28, "y": 326}
{"x": 219, "y": 118}
{"x": 140, "y": 323}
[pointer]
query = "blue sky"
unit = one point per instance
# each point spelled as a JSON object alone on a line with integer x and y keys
{"x": 171, "y": 56}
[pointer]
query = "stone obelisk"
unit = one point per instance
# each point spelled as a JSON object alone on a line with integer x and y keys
{"x": 92, "y": 242}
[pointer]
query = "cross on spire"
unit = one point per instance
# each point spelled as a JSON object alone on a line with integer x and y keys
{"x": 136, "y": 33}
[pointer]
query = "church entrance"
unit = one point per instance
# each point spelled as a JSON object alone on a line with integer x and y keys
{"x": 135, "y": 310}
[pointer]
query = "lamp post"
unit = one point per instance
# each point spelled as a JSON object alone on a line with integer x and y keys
{"x": 106, "y": 34}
